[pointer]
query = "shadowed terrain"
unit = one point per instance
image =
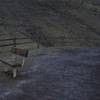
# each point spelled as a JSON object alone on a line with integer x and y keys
{"x": 77, "y": 21}
{"x": 55, "y": 74}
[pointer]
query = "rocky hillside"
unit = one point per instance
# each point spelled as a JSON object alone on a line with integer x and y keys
{"x": 72, "y": 23}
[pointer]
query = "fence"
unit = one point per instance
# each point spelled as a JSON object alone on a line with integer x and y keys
{"x": 51, "y": 41}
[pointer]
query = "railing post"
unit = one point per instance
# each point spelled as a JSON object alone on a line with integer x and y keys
{"x": 38, "y": 42}
{"x": 62, "y": 40}
{"x": 14, "y": 42}
{"x": 14, "y": 46}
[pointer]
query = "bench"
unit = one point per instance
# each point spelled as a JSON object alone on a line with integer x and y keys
{"x": 15, "y": 66}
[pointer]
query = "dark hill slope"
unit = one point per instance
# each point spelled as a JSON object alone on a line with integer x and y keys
{"x": 78, "y": 22}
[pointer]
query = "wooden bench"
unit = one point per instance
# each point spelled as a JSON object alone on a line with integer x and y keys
{"x": 14, "y": 67}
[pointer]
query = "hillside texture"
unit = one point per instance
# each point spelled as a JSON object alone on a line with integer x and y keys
{"x": 76, "y": 22}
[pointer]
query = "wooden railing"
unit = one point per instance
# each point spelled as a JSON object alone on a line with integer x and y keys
{"x": 52, "y": 41}
{"x": 12, "y": 42}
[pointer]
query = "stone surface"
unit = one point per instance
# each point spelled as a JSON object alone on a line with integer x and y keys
{"x": 55, "y": 74}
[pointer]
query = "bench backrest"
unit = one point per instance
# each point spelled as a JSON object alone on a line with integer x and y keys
{"x": 20, "y": 52}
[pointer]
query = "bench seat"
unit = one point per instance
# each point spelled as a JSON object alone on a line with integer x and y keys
{"x": 15, "y": 66}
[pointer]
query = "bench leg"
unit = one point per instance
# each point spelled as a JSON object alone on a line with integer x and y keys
{"x": 14, "y": 71}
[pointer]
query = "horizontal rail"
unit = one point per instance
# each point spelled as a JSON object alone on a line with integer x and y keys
{"x": 62, "y": 37}
{"x": 65, "y": 38}
{"x": 3, "y": 34}
{"x": 12, "y": 39}
{"x": 13, "y": 44}
{"x": 59, "y": 38}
